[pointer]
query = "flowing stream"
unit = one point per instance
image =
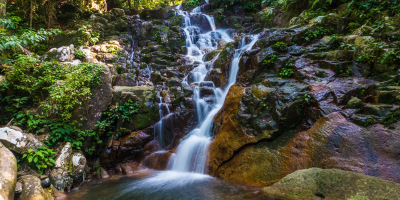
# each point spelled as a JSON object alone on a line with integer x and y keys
{"x": 186, "y": 177}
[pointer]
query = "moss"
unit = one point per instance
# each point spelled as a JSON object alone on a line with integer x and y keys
{"x": 332, "y": 184}
{"x": 144, "y": 120}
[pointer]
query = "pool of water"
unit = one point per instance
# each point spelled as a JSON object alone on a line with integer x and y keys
{"x": 165, "y": 185}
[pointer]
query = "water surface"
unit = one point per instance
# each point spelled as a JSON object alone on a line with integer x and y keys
{"x": 166, "y": 185}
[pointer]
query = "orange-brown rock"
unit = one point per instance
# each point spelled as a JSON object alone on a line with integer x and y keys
{"x": 333, "y": 142}
{"x": 157, "y": 160}
{"x": 229, "y": 137}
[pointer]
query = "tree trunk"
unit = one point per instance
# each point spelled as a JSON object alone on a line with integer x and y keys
{"x": 3, "y": 4}
{"x": 31, "y": 15}
{"x": 130, "y": 6}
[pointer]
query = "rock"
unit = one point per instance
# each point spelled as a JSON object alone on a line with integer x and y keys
{"x": 355, "y": 103}
{"x": 78, "y": 165}
{"x": 57, "y": 194}
{"x": 229, "y": 137}
{"x": 8, "y": 175}
{"x": 332, "y": 142}
{"x": 296, "y": 50}
{"x": 363, "y": 30}
{"x": 220, "y": 72}
{"x": 315, "y": 183}
{"x": 59, "y": 176}
{"x": 18, "y": 188}
{"x": 388, "y": 95}
{"x": 32, "y": 189}
{"x": 358, "y": 41}
{"x": 17, "y": 141}
{"x": 103, "y": 173}
{"x": 135, "y": 140}
{"x": 63, "y": 54}
{"x": 88, "y": 54}
{"x": 129, "y": 168}
{"x": 157, "y": 160}
{"x": 45, "y": 182}
{"x": 118, "y": 12}
{"x": 332, "y": 19}
{"x": 69, "y": 166}
{"x": 143, "y": 92}
{"x": 99, "y": 102}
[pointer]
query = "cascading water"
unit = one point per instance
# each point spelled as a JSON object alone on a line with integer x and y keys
{"x": 158, "y": 128}
{"x": 191, "y": 153}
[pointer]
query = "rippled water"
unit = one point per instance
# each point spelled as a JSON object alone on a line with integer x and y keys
{"x": 166, "y": 185}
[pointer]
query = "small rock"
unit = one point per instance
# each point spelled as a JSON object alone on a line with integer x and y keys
{"x": 355, "y": 103}
{"x": 45, "y": 182}
{"x": 103, "y": 173}
{"x": 18, "y": 187}
{"x": 129, "y": 168}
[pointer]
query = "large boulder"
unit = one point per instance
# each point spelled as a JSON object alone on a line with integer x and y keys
{"x": 17, "y": 141}
{"x": 315, "y": 183}
{"x": 101, "y": 99}
{"x": 32, "y": 189}
{"x": 332, "y": 142}
{"x": 254, "y": 114}
{"x": 69, "y": 167}
{"x": 8, "y": 175}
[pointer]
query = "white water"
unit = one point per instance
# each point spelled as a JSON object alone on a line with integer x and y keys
{"x": 191, "y": 153}
{"x": 158, "y": 128}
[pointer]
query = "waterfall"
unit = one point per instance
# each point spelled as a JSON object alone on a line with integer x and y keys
{"x": 191, "y": 153}
{"x": 158, "y": 128}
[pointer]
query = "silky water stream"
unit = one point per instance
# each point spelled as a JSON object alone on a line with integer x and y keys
{"x": 186, "y": 176}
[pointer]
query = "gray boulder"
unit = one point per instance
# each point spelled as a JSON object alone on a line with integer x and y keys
{"x": 17, "y": 141}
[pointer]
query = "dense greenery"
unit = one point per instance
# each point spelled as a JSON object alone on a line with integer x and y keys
{"x": 17, "y": 38}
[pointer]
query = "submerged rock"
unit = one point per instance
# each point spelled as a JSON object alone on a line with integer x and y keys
{"x": 315, "y": 183}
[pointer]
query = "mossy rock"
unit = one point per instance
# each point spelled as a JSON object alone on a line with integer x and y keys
{"x": 355, "y": 103}
{"x": 315, "y": 183}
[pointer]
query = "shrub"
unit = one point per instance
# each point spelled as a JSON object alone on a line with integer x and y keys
{"x": 42, "y": 158}
{"x": 270, "y": 60}
{"x": 280, "y": 46}
{"x": 286, "y": 73}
